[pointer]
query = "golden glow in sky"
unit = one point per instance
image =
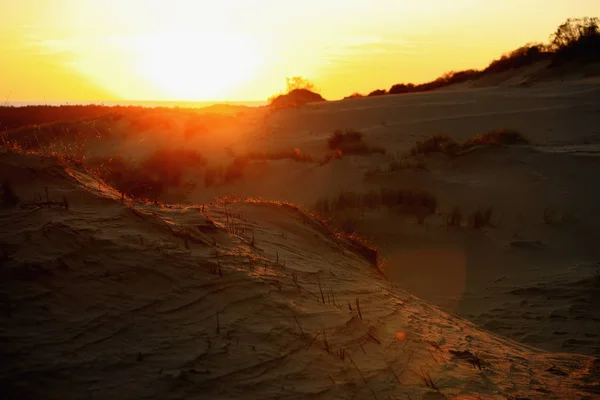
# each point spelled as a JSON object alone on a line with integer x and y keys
{"x": 78, "y": 50}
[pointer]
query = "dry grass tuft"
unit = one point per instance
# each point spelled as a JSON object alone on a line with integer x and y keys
{"x": 406, "y": 200}
{"x": 480, "y": 219}
{"x": 351, "y": 142}
{"x": 436, "y": 144}
{"x": 455, "y": 217}
{"x": 499, "y": 137}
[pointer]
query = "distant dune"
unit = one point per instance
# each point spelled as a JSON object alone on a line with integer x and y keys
{"x": 572, "y": 53}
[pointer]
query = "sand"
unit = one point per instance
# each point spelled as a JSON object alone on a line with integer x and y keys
{"x": 257, "y": 299}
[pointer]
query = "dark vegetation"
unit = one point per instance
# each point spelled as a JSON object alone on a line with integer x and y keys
{"x": 418, "y": 203}
{"x": 150, "y": 178}
{"x": 351, "y": 142}
{"x": 295, "y": 98}
{"x": 235, "y": 170}
{"x": 7, "y": 195}
{"x": 53, "y": 121}
{"x": 576, "y": 40}
{"x": 475, "y": 220}
{"x": 299, "y": 91}
{"x": 447, "y": 145}
{"x": 14, "y": 117}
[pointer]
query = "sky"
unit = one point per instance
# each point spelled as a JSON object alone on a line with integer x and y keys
{"x": 241, "y": 50}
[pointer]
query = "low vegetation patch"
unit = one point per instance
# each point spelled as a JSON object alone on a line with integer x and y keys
{"x": 418, "y": 203}
{"x": 478, "y": 219}
{"x": 436, "y": 144}
{"x": 149, "y": 179}
{"x": 295, "y": 154}
{"x": 351, "y": 142}
{"x": 235, "y": 170}
{"x": 500, "y": 137}
{"x": 446, "y": 145}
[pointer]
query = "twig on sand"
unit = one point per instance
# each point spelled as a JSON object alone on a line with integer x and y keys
{"x": 327, "y": 348}
{"x": 321, "y": 290}
{"x": 299, "y": 326}
{"x": 428, "y": 381}
{"x": 358, "y": 369}
{"x": 358, "y": 307}
{"x": 374, "y": 338}
{"x": 393, "y": 373}
{"x": 313, "y": 339}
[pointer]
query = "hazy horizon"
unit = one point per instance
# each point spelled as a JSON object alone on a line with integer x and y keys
{"x": 143, "y": 103}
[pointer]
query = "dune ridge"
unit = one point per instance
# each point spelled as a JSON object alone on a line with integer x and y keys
{"x": 230, "y": 299}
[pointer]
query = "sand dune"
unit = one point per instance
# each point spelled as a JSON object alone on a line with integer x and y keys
{"x": 124, "y": 296}
{"x": 251, "y": 299}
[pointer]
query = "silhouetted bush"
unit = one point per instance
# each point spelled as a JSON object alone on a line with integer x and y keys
{"x": 378, "y": 92}
{"x": 295, "y": 98}
{"x": 499, "y": 137}
{"x": 354, "y": 95}
{"x": 576, "y": 39}
{"x": 402, "y": 88}
{"x": 521, "y": 57}
{"x": 351, "y": 142}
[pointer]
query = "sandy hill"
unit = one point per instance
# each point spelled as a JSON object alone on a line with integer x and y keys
{"x": 110, "y": 299}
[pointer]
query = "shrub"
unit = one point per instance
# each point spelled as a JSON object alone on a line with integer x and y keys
{"x": 523, "y": 56}
{"x": 354, "y": 95}
{"x": 437, "y": 143}
{"x": 446, "y": 145}
{"x": 168, "y": 166}
{"x": 576, "y": 38}
{"x": 378, "y": 92}
{"x": 351, "y": 142}
{"x": 500, "y": 137}
{"x": 130, "y": 180}
{"x": 295, "y": 98}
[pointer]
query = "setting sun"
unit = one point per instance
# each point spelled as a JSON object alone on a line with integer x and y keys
{"x": 188, "y": 66}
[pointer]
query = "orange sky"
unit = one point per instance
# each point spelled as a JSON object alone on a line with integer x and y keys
{"x": 78, "y": 50}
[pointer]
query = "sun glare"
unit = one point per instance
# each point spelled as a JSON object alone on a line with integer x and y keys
{"x": 197, "y": 66}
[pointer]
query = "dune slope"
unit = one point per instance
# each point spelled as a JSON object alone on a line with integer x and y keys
{"x": 248, "y": 299}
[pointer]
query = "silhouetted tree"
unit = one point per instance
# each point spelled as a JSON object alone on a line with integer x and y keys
{"x": 576, "y": 39}
{"x": 572, "y": 31}
{"x": 298, "y": 82}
